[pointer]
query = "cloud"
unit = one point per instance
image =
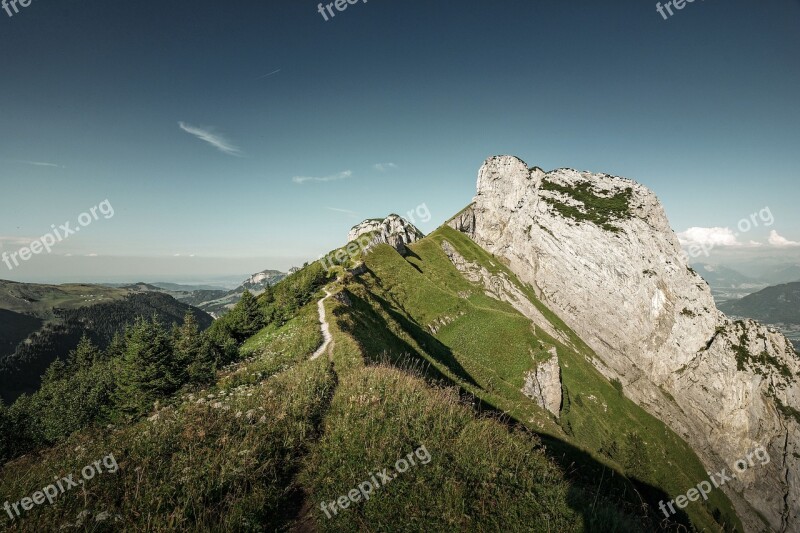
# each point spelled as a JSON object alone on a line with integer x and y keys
{"x": 38, "y": 163}
{"x": 345, "y": 211}
{"x": 713, "y": 237}
{"x": 383, "y": 167}
{"x": 781, "y": 242}
{"x": 268, "y": 75}
{"x": 340, "y": 176}
{"x": 215, "y": 140}
{"x": 14, "y": 242}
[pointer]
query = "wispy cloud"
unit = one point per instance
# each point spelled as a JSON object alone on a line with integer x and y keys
{"x": 38, "y": 163}
{"x": 268, "y": 75}
{"x": 14, "y": 242}
{"x": 335, "y": 177}
{"x": 217, "y": 141}
{"x": 781, "y": 242}
{"x": 384, "y": 167}
{"x": 345, "y": 211}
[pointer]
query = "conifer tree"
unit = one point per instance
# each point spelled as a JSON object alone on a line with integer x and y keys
{"x": 148, "y": 370}
{"x": 84, "y": 355}
{"x": 246, "y": 318}
{"x": 194, "y": 353}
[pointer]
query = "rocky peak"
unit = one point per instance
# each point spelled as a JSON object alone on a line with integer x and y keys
{"x": 394, "y": 230}
{"x": 599, "y": 251}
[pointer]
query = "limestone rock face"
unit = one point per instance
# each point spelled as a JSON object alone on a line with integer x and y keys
{"x": 599, "y": 251}
{"x": 544, "y": 384}
{"x": 394, "y": 230}
{"x": 363, "y": 228}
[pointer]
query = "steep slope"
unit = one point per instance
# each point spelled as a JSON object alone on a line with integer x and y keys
{"x": 452, "y": 308}
{"x": 598, "y": 250}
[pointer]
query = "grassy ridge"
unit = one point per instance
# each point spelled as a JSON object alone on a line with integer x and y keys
{"x": 482, "y": 476}
{"x": 490, "y": 343}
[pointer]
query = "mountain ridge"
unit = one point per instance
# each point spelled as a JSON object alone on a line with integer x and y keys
{"x": 618, "y": 277}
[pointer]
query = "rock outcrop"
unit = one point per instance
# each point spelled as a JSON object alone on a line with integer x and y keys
{"x": 543, "y": 385}
{"x": 599, "y": 251}
{"x": 394, "y": 230}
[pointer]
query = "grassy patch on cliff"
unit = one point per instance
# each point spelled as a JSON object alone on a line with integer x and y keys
{"x": 600, "y": 210}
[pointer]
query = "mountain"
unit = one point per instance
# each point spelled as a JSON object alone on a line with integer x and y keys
{"x": 394, "y": 230}
{"x": 727, "y": 283}
{"x": 782, "y": 274}
{"x": 434, "y": 357}
{"x": 41, "y": 323}
{"x": 543, "y": 361}
{"x": 778, "y": 306}
{"x": 599, "y": 252}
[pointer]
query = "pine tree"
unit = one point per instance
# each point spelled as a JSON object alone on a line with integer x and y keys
{"x": 268, "y": 296}
{"x": 246, "y": 318}
{"x": 194, "y": 353}
{"x": 148, "y": 370}
{"x": 7, "y": 434}
{"x": 84, "y": 355}
{"x": 116, "y": 349}
{"x": 57, "y": 370}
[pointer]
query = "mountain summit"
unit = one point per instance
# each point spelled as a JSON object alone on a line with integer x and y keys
{"x": 394, "y": 230}
{"x": 599, "y": 251}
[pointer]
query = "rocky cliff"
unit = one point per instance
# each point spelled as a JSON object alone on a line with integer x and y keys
{"x": 394, "y": 230}
{"x": 598, "y": 249}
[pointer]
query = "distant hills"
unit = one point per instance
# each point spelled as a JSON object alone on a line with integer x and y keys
{"x": 40, "y": 323}
{"x": 727, "y": 283}
{"x": 778, "y": 305}
{"x": 212, "y": 300}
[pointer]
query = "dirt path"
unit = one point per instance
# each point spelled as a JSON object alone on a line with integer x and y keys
{"x": 326, "y": 331}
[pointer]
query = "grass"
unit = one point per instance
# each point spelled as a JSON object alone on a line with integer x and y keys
{"x": 480, "y": 476}
{"x": 487, "y": 347}
{"x": 225, "y": 464}
{"x": 275, "y": 349}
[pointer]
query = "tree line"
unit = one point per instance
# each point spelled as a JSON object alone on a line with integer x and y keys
{"x": 146, "y": 364}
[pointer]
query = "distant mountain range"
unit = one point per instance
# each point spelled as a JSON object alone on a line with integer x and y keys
{"x": 727, "y": 283}
{"x": 783, "y": 274}
{"x": 212, "y": 300}
{"x": 778, "y": 305}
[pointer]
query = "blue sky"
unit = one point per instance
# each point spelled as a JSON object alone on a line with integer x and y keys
{"x": 193, "y": 118}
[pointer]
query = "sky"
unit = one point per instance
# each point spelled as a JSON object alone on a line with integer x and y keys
{"x": 233, "y": 137}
